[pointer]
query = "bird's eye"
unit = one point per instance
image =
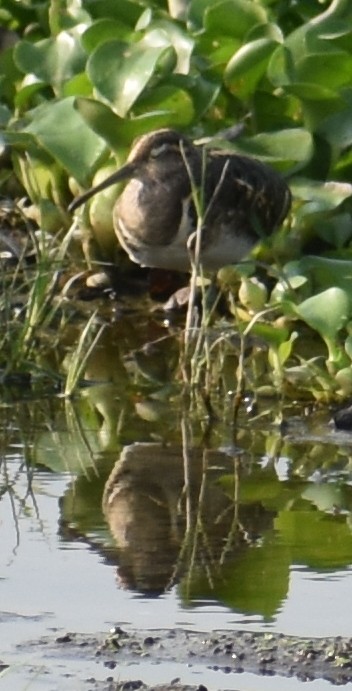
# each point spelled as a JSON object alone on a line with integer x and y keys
{"x": 157, "y": 151}
{"x": 166, "y": 148}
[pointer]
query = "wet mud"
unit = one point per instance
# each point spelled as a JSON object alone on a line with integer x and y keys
{"x": 226, "y": 653}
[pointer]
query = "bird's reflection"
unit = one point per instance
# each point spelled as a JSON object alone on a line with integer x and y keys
{"x": 171, "y": 512}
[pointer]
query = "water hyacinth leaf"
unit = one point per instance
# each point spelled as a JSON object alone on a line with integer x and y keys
{"x": 330, "y": 194}
{"x": 9, "y": 76}
{"x": 75, "y": 146}
{"x": 330, "y": 70}
{"x": 5, "y": 115}
{"x": 120, "y": 132}
{"x": 275, "y": 111}
{"x": 126, "y": 11}
{"x": 337, "y": 127}
{"x": 173, "y": 103}
{"x": 40, "y": 175}
{"x": 287, "y": 147}
{"x": 63, "y": 18}
{"x": 309, "y": 91}
{"x": 203, "y": 92}
{"x": 327, "y": 313}
{"x": 103, "y": 121}
{"x": 281, "y": 69}
{"x": 267, "y": 30}
{"x": 104, "y": 30}
{"x": 284, "y": 289}
{"x": 180, "y": 40}
{"x": 25, "y": 94}
{"x": 248, "y": 65}
{"x": 22, "y": 141}
{"x": 53, "y": 60}
{"x": 144, "y": 20}
{"x": 313, "y": 34}
{"x": 271, "y": 334}
{"x": 285, "y": 349}
{"x": 343, "y": 378}
{"x": 336, "y": 229}
{"x": 79, "y": 85}
{"x": 323, "y": 272}
{"x": 233, "y": 18}
{"x": 121, "y": 72}
{"x": 277, "y": 357}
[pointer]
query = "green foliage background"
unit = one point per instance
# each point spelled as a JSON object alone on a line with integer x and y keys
{"x": 85, "y": 77}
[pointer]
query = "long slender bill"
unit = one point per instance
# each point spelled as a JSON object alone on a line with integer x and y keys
{"x": 123, "y": 173}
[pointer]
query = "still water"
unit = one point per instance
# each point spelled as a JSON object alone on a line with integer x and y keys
{"x": 121, "y": 507}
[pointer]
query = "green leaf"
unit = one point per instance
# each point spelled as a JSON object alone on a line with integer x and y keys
{"x": 327, "y": 313}
{"x": 119, "y": 132}
{"x": 281, "y": 69}
{"x": 121, "y": 72}
{"x": 309, "y": 91}
{"x": 104, "y": 122}
{"x": 25, "y": 94}
{"x": 330, "y": 194}
{"x": 288, "y": 146}
{"x": 233, "y": 17}
{"x": 323, "y": 272}
{"x": 337, "y": 127}
{"x": 104, "y": 30}
{"x": 273, "y": 335}
{"x": 126, "y": 11}
{"x": 329, "y": 70}
{"x": 53, "y": 60}
{"x": 176, "y": 105}
{"x": 60, "y": 130}
{"x": 5, "y": 115}
{"x": 182, "y": 42}
{"x": 248, "y": 65}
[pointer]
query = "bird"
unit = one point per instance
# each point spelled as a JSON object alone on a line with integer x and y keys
{"x": 240, "y": 201}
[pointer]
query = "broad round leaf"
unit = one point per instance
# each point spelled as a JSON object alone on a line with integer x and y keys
{"x": 337, "y": 128}
{"x": 287, "y": 147}
{"x": 104, "y": 30}
{"x": 103, "y": 121}
{"x": 281, "y": 67}
{"x": 180, "y": 40}
{"x": 248, "y": 65}
{"x": 169, "y": 100}
{"x": 323, "y": 272}
{"x": 126, "y": 11}
{"x": 327, "y": 313}
{"x": 53, "y": 60}
{"x": 60, "y": 130}
{"x": 233, "y": 17}
{"x": 330, "y": 70}
{"x": 121, "y": 72}
{"x": 330, "y": 193}
{"x": 119, "y": 132}
{"x": 309, "y": 91}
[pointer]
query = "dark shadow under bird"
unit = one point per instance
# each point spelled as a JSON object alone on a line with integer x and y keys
{"x": 241, "y": 200}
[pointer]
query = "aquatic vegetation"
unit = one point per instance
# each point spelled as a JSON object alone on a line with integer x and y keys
{"x": 80, "y": 80}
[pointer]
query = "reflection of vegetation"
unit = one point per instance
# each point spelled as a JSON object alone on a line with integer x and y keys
{"x": 223, "y": 525}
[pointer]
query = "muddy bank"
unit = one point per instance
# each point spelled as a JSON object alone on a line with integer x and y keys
{"x": 225, "y": 653}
